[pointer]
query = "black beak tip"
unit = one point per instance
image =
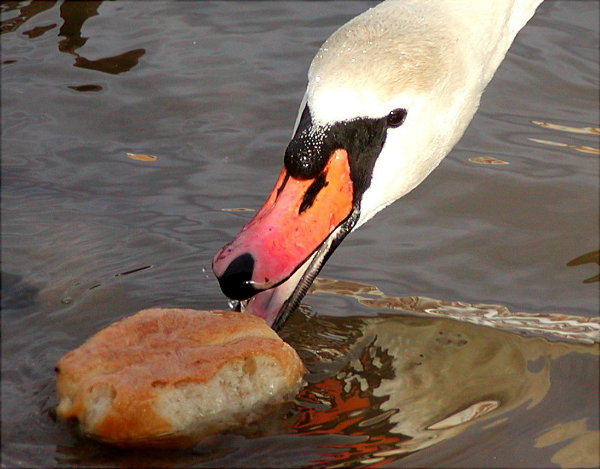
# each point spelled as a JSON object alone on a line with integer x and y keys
{"x": 235, "y": 281}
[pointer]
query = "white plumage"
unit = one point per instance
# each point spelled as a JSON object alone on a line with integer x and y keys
{"x": 433, "y": 58}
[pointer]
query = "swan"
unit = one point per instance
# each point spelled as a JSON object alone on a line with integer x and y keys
{"x": 388, "y": 96}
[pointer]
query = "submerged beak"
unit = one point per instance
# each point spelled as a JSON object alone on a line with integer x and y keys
{"x": 271, "y": 263}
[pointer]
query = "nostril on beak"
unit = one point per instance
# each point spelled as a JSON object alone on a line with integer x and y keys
{"x": 235, "y": 282}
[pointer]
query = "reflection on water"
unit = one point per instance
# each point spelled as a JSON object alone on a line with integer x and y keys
{"x": 86, "y": 88}
{"x": 133, "y": 271}
{"x": 141, "y": 157}
{"x": 567, "y": 128}
{"x": 25, "y": 13}
{"x": 383, "y": 390}
{"x": 581, "y": 148}
{"x": 405, "y": 383}
{"x": 570, "y": 129}
{"x": 582, "y": 444}
{"x": 592, "y": 257}
{"x": 561, "y": 326}
{"x": 16, "y": 293}
{"x": 116, "y": 64}
{"x": 74, "y": 15}
{"x": 487, "y": 160}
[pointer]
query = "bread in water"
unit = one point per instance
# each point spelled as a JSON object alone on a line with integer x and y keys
{"x": 170, "y": 377}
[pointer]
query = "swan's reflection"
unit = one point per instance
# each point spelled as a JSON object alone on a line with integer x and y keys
{"x": 387, "y": 387}
{"x": 401, "y": 383}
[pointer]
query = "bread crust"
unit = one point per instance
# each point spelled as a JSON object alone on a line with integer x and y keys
{"x": 159, "y": 378}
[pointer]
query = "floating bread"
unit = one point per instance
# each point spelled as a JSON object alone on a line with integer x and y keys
{"x": 170, "y": 377}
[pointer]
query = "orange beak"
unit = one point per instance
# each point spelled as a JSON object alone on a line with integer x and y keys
{"x": 280, "y": 247}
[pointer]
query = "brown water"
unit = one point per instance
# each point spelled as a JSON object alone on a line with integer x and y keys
{"x": 208, "y": 92}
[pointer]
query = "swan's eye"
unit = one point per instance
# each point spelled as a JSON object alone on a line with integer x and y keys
{"x": 396, "y": 117}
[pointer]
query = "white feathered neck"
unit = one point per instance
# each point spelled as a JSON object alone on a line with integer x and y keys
{"x": 431, "y": 57}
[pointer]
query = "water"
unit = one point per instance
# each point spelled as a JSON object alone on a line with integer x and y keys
{"x": 211, "y": 90}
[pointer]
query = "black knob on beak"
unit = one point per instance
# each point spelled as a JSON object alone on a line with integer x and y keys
{"x": 235, "y": 281}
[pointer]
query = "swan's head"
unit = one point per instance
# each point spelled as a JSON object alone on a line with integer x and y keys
{"x": 379, "y": 113}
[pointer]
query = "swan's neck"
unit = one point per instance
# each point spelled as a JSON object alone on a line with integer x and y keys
{"x": 431, "y": 57}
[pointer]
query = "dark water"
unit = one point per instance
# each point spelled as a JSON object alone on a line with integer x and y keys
{"x": 211, "y": 90}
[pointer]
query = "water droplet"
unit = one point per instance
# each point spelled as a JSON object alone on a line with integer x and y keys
{"x": 317, "y": 79}
{"x": 66, "y": 300}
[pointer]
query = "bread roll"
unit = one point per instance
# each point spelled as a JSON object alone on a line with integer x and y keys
{"x": 170, "y": 377}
